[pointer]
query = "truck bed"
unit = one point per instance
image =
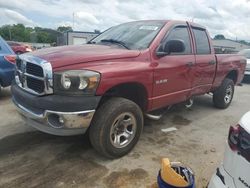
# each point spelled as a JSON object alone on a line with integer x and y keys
{"x": 227, "y": 62}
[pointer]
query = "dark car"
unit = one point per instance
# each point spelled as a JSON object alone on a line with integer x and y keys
{"x": 7, "y": 64}
{"x": 19, "y": 48}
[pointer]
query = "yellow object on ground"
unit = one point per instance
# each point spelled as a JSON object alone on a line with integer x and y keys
{"x": 169, "y": 175}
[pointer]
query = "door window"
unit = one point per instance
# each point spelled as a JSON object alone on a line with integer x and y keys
{"x": 180, "y": 33}
{"x": 201, "y": 40}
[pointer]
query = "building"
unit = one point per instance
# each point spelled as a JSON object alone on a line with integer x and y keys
{"x": 76, "y": 37}
{"x": 228, "y": 46}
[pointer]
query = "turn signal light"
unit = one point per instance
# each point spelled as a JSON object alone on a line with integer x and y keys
{"x": 10, "y": 58}
{"x": 233, "y": 137}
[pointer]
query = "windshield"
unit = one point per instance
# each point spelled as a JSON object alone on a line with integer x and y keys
{"x": 245, "y": 53}
{"x": 132, "y": 35}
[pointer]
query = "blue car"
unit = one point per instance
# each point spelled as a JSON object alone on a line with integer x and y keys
{"x": 7, "y": 64}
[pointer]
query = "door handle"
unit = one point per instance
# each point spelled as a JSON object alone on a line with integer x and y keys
{"x": 211, "y": 62}
{"x": 190, "y": 64}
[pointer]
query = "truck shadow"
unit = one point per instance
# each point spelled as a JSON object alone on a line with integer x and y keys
{"x": 29, "y": 140}
{"x": 178, "y": 114}
{"x": 35, "y": 159}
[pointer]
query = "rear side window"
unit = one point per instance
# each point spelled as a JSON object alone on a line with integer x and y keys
{"x": 201, "y": 40}
{"x": 180, "y": 33}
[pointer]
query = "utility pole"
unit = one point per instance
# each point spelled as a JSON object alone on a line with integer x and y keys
{"x": 73, "y": 25}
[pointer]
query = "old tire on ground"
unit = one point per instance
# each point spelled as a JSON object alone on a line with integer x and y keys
{"x": 223, "y": 96}
{"x": 116, "y": 127}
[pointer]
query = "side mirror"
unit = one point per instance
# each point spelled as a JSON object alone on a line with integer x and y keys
{"x": 172, "y": 46}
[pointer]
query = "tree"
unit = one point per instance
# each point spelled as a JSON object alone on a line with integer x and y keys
{"x": 219, "y": 37}
{"x": 16, "y": 32}
{"x": 64, "y": 28}
{"x": 20, "y": 33}
{"x": 244, "y": 42}
{"x": 5, "y": 32}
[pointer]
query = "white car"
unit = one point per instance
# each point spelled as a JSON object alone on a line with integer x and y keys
{"x": 246, "y": 53}
{"x": 235, "y": 170}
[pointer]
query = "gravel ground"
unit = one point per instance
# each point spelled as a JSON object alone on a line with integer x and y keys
{"x": 29, "y": 158}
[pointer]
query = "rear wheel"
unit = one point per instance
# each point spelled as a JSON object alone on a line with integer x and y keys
{"x": 116, "y": 127}
{"x": 223, "y": 96}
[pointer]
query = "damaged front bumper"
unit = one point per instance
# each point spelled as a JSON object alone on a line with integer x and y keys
{"x": 57, "y": 115}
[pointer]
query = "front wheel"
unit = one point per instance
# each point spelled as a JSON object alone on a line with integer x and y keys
{"x": 116, "y": 127}
{"x": 223, "y": 96}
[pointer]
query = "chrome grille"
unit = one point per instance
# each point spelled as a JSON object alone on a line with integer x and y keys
{"x": 34, "y": 69}
{"x": 35, "y": 84}
{"x": 34, "y": 75}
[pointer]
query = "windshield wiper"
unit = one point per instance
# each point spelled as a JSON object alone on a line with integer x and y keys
{"x": 116, "y": 41}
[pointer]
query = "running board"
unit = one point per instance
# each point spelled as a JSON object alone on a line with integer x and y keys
{"x": 153, "y": 117}
{"x": 189, "y": 103}
{"x": 157, "y": 114}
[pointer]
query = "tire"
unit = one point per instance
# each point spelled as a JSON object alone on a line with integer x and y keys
{"x": 223, "y": 95}
{"x": 117, "y": 119}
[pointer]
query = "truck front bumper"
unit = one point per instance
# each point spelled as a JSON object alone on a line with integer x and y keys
{"x": 55, "y": 114}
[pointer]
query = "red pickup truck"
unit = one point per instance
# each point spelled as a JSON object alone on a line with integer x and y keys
{"x": 108, "y": 85}
{"x": 19, "y": 48}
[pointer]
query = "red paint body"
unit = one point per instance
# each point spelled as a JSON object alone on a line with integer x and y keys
{"x": 118, "y": 66}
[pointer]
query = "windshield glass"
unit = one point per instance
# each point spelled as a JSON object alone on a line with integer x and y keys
{"x": 132, "y": 35}
{"x": 245, "y": 53}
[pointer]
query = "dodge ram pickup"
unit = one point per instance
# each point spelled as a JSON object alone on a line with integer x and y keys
{"x": 106, "y": 87}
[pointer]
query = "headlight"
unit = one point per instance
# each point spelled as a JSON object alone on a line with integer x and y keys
{"x": 76, "y": 82}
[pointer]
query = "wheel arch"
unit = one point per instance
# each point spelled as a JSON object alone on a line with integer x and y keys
{"x": 233, "y": 75}
{"x": 133, "y": 91}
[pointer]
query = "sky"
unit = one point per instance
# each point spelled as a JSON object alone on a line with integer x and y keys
{"x": 228, "y": 17}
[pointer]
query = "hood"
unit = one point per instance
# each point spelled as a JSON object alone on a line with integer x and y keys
{"x": 245, "y": 122}
{"x": 74, "y": 54}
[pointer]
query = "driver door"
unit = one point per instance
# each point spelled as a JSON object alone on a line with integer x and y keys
{"x": 173, "y": 75}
